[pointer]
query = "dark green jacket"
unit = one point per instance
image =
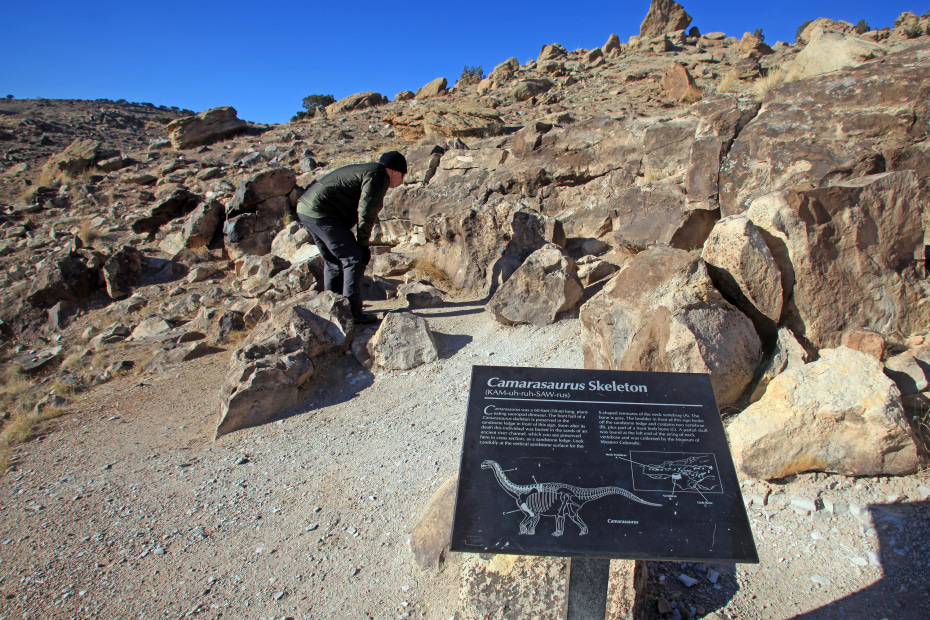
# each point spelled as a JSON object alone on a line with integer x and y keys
{"x": 352, "y": 194}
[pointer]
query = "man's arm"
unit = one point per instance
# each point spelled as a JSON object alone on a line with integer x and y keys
{"x": 374, "y": 187}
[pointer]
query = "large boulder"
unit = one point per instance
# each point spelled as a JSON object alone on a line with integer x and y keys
{"x": 543, "y": 287}
{"x": 256, "y": 212}
{"x": 851, "y": 248}
{"x": 403, "y": 341}
{"x": 358, "y": 101}
{"x": 435, "y": 88}
{"x": 75, "y": 159}
{"x": 664, "y": 16}
{"x": 483, "y": 247}
{"x": 208, "y": 126}
{"x": 825, "y": 129}
{"x": 662, "y": 313}
{"x": 122, "y": 270}
{"x": 278, "y": 359}
{"x": 447, "y": 120}
{"x": 830, "y": 51}
{"x": 744, "y": 270}
{"x": 199, "y": 227}
{"x": 177, "y": 204}
{"x": 69, "y": 274}
{"x": 840, "y": 413}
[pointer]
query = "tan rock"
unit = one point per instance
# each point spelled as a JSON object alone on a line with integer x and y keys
{"x": 553, "y": 51}
{"x": 830, "y": 51}
{"x": 677, "y": 82}
{"x": 613, "y": 45}
{"x": 662, "y": 313}
{"x": 743, "y": 269}
{"x": 75, "y": 159}
{"x": 450, "y": 121}
{"x": 664, "y": 16}
{"x": 865, "y": 341}
{"x": 840, "y": 413}
{"x": 429, "y": 540}
{"x": 432, "y": 89}
{"x": 358, "y": 101}
{"x": 403, "y": 341}
{"x": 788, "y": 354}
{"x": 543, "y": 287}
{"x": 208, "y": 126}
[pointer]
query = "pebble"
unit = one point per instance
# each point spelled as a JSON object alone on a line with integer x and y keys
{"x": 664, "y": 607}
{"x": 687, "y": 580}
{"x": 713, "y": 576}
{"x": 823, "y": 581}
{"x": 241, "y": 460}
{"x": 803, "y": 503}
{"x": 158, "y": 551}
{"x": 312, "y": 527}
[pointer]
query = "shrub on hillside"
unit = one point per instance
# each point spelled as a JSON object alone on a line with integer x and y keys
{"x": 862, "y": 26}
{"x": 470, "y": 76}
{"x": 797, "y": 35}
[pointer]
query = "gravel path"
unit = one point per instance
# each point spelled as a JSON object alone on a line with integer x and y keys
{"x": 126, "y": 508}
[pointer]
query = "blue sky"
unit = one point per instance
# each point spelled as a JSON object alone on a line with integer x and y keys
{"x": 263, "y": 57}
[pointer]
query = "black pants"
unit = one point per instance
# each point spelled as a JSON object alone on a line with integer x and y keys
{"x": 344, "y": 260}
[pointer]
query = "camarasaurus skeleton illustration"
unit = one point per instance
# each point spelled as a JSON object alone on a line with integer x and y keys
{"x": 553, "y": 499}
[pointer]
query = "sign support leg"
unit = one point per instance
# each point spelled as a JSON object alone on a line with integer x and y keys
{"x": 586, "y": 596}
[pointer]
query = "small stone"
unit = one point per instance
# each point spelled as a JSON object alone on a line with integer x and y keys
{"x": 353, "y": 572}
{"x": 279, "y": 596}
{"x": 859, "y": 561}
{"x": 664, "y": 607}
{"x": 713, "y": 576}
{"x": 924, "y": 491}
{"x": 158, "y": 551}
{"x": 687, "y": 580}
{"x": 242, "y": 460}
{"x": 875, "y": 558}
{"x": 312, "y": 527}
{"x": 822, "y": 581}
{"x": 804, "y": 504}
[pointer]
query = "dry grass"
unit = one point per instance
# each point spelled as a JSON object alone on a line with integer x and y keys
{"x": 694, "y": 94}
{"x": 764, "y": 86}
{"x": 88, "y": 233}
{"x": 19, "y": 429}
{"x": 728, "y": 83}
{"x": 425, "y": 270}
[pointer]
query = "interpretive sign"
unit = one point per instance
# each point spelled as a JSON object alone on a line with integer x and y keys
{"x": 597, "y": 463}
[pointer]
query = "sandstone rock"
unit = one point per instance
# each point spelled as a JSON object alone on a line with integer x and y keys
{"x": 788, "y": 354}
{"x": 743, "y": 269}
{"x": 840, "y": 413}
{"x": 256, "y": 211}
{"x": 829, "y": 128}
{"x": 432, "y": 89}
{"x": 595, "y": 271}
{"x": 179, "y": 202}
{"x": 553, "y": 51}
{"x": 451, "y": 121}
{"x": 229, "y": 322}
{"x": 849, "y": 247}
{"x": 527, "y": 89}
{"x": 429, "y": 540}
{"x": 504, "y": 72}
{"x": 404, "y": 95}
{"x": 65, "y": 275}
{"x": 613, "y": 45}
{"x": 121, "y": 271}
{"x": 403, "y": 341}
{"x": 75, "y": 159}
{"x": 482, "y": 248}
{"x": 150, "y": 327}
{"x": 267, "y": 372}
{"x": 661, "y": 313}
{"x": 358, "y": 101}
{"x": 390, "y": 264}
{"x": 829, "y": 51}
{"x": 677, "y": 82}
{"x": 752, "y": 45}
{"x": 910, "y": 373}
{"x": 823, "y": 24}
{"x": 664, "y": 16}
{"x": 544, "y": 286}
{"x": 420, "y": 294}
{"x": 660, "y": 213}
{"x": 36, "y": 360}
{"x": 865, "y": 341}
{"x": 171, "y": 355}
{"x": 208, "y": 126}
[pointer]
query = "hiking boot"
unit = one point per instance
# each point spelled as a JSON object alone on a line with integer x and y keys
{"x": 363, "y": 318}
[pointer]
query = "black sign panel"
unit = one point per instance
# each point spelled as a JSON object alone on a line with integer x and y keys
{"x": 595, "y": 463}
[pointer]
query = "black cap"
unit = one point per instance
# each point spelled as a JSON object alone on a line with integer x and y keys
{"x": 394, "y": 161}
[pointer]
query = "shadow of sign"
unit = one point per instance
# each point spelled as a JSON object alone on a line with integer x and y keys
{"x": 899, "y": 534}
{"x": 903, "y": 532}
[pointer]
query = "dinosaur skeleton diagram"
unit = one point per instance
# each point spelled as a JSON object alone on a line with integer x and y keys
{"x": 695, "y": 473}
{"x": 552, "y": 499}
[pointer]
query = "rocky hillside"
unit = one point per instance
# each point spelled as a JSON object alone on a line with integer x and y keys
{"x": 693, "y": 202}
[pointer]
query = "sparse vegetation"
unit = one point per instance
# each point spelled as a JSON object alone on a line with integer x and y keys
{"x": 767, "y": 83}
{"x": 758, "y": 33}
{"x": 862, "y": 26}
{"x": 913, "y": 31}
{"x": 470, "y": 76}
{"x": 694, "y": 94}
{"x": 797, "y": 35}
{"x": 425, "y": 270}
{"x": 311, "y": 103}
{"x": 88, "y": 232}
{"x": 728, "y": 82}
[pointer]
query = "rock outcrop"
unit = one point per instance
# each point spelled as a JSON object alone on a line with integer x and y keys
{"x": 662, "y": 313}
{"x": 403, "y": 341}
{"x": 266, "y": 374}
{"x": 543, "y": 287}
{"x": 840, "y": 413}
{"x": 204, "y": 128}
{"x": 256, "y": 212}
{"x": 664, "y": 16}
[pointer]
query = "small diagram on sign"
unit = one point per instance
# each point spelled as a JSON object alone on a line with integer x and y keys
{"x": 674, "y": 472}
{"x": 552, "y": 499}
